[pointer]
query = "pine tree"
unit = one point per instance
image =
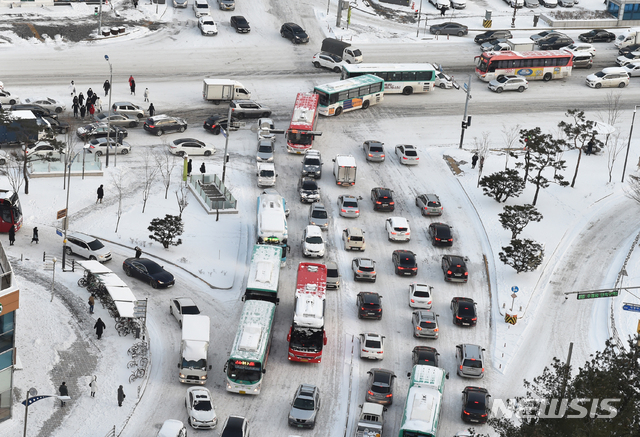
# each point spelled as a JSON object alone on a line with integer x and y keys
{"x": 165, "y": 230}
{"x": 578, "y": 133}
{"x": 502, "y": 185}
{"x": 516, "y": 218}
{"x": 523, "y": 255}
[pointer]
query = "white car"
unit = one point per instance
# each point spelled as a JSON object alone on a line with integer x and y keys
{"x": 44, "y": 150}
{"x": 52, "y": 105}
{"x": 172, "y": 428}
{"x": 99, "y": 147}
{"x": 200, "y": 7}
{"x": 313, "y": 242}
{"x": 266, "y": 173}
{"x": 179, "y": 306}
{"x": 207, "y": 26}
{"x": 190, "y": 147}
{"x": 372, "y": 346}
{"x": 444, "y": 81}
{"x": 328, "y": 60}
{"x": 580, "y": 47}
{"x": 608, "y": 78}
{"x": 509, "y": 83}
{"x": 6, "y": 98}
{"x": 420, "y": 296}
{"x": 397, "y": 229}
{"x": 632, "y": 68}
{"x": 86, "y": 247}
{"x": 200, "y": 411}
{"x": 407, "y": 154}
{"x": 627, "y": 57}
{"x": 264, "y": 129}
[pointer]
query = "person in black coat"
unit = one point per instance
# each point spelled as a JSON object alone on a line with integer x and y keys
{"x": 474, "y": 160}
{"x": 121, "y": 396}
{"x": 152, "y": 110}
{"x": 81, "y": 99}
{"x": 189, "y": 168}
{"x": 35, "y": 235}
{"x": 99, "y": 327}
{"x": 83, "y": 111}
{"x": 132, "y": 84}
{"x": 12, "y": 235}
{"x": 64, "y": 391}
{"x": 76, "y": 108}
{"x": 106, "y": 87}
{"x": 100, "y": 194}
{"x": 89, "y": 93}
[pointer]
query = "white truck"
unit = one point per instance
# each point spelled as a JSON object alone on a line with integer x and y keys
{"x": 224, "y": 90}
{"x": 343, "y": 49}
{"x": 272, "y": 218}
{"x": 371, "y": 422}
{"x": 628, "y": 37}
{"x": 193, "y": 349}
{"x": 344, "y": 169}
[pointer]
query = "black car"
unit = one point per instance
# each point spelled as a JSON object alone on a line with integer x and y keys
{"x": 629, "y": 49}
{"x": 240, "y": 24}
{"x": 544, "y": 34}
{"x": 369, "y": 305}
{"x": 100, "y": 130}
{"x": 449, "y": 28}
{"x": 440, "y": 234}
{"x": 37, "y": 110}
{"x": 161, "y": 124}
{"x": 454, "y": 268}
{"x": 308, "y": 190}
{"x": 294, "y": 33}
{"x": 148, "y": 271}
{"x": 492, "y": 34}
{"x": 217, "y": 122}
{"x": 404, "y": 262}
{"x": 382, "y": 199}
{"x": 597, "y": 35}
{"x": 59, "y": 127}
{"x": 425, "y": 355}
{"x": 475, "y": 405}
{"x": 235, "y": 426}
{"x": 464, "y": 311}
{"x": 380, "y": 386}
{"x": 554, "y": 42}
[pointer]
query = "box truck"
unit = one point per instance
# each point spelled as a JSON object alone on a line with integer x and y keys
{"x": 344, "y": 169}
{"x": 193, "y": 349}
{"x": 22, "y": 127}
{"x": 223, "y": 90}
{"x": 628, "y": 37}
{"x": 343, "y": 49}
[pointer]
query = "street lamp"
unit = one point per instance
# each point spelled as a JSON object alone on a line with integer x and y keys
{"x": 226, "y": 144}
{"x": 66, "y": 217}
{"x": 109, "y": 111}
{"x": 626, "y": 156}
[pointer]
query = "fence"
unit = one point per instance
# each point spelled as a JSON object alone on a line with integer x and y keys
{"x": 212, "y": 193}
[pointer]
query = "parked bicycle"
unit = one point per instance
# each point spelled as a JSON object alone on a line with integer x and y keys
{"x": 137, "y": 373}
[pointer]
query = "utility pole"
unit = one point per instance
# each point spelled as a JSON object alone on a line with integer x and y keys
{"x": 109, "y": 111}
{"x": 626, "y": 156}
{"x": 466, "y": 121}
{"x": 226, "y": 145}
{"x": 100, "y": 19}
{"x": 419, "y": 15}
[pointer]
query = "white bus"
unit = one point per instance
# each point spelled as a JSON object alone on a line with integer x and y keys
{"x": 347, "y": 95}
{"x": 423, "y": 406}
{"x": 264, "y": 273}
{"x": 398, "y": 78}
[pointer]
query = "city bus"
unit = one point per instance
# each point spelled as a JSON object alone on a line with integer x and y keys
{"x": 10, "y": 210}
{"x": 272, "y": 226}
{"x": 423, "y": 406}
{"x": 306, "y": 336}
{"x": 264, "y": 273}
{"x": 248, "y": 358}
{"x": 538, "y": 65}
{"x": 398, "y": 78}
{"x": 347, "y": 95}
{"x": 303, "y": 122}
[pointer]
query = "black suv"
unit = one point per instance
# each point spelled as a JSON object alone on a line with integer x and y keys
{"x": 440, "y": 234}
{"x": 382, "y": 199}
{"x": 475, "y": 405}
{"x": 425, "y": 355}
{"x": 37, "y": 110}
{"x": 294, "y": 33}
{"x": 554, "y": 42}
{"x": 491, "y": 34}
{"x": 240, "y": 24}
{"x": 217, "y": 122}
{"x": 404, "y": 262}
{"x": 454, "y": 268}
{"x": 369, "y": 305}
{"x": 464, "y": 311}
{"x": 161, "y": 124}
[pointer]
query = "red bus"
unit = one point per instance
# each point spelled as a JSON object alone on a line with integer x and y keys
{"x": 10, "y": 210}
{"x": 538, "y": 65}
{"x": 303, "y": 121}
{"x": 306, "y": 336}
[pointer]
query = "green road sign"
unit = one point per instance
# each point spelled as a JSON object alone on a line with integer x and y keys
{"x": 596, "y": 294}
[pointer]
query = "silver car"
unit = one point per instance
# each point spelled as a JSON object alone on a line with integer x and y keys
{"x": 128, "y": 108}
{"x": 470, "y": 360}
{"x": 333, "y": 275}
{"x": 509, "y": 83}
{"x": 373, "y": 150}
{"x": 429, "y": 204}
{"x": 265, "y": 151}
{"x": 312, "y": 164}
{"x": 124, "y": 120}
{"x": 364, "y": 269}
{"x": 425, "y": 324}
{"x": 305, "y": 407}
{"x": 318, "y": 216}
{"x": 248, "y": 109}
{"x": 99, "y": 146}
{"x": 348, "y": 206}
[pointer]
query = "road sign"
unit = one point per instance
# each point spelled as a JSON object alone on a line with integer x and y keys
{"x": 61, "y": 214}
{"x": 59, "y": 232}
{"x": 513, "y": 296}
{"x": 515, "y": 289}
{"x": 631, "y": 307}
{"x": 511, "y": 319}
{"x": 465, "y": 86}
{"x": 596, "y": 294}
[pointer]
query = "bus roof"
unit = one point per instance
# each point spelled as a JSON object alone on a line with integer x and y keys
{"x": 304, "y": 111}
{"x": 254, "y": 330}
{"x": 264, "y": 273}
{"x": 508, "y": 54}
{"x": 424, "y": 400}
{"x": 374, "y": 68}
{"x": 354, "y": 82}
{"x": 309, "y": 312}
{"x": 312, "y": 280}
{"x": 428, "y": 376}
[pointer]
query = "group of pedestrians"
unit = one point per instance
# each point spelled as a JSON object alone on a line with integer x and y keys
{"x": 93, "y": 386}
{"x": 86, "y": 106}
{"x": 12, "y": 235}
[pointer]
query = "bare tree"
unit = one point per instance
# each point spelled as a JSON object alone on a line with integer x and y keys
{"x": 482, "y": 147}
{"x": 511, "y": 137}
{"x": 613, "y": 149}
{"x": 149, "y": 173}
{"x": 166, "y": 163}
{"x": 14, "y": 173}
{"x": 117, "y": 179}
{"x": 614, "y": 110}
{"x": 69, "y": 147}
{"x": 181, "y": 196}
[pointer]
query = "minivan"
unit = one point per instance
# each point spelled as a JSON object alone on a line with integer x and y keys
{"x": 470, "y": 360}
{"x": 266, "y": 174}
{"x": 608, "y": 78}
{"x": 333, "y": 275}
{"x": 583, "y": 60}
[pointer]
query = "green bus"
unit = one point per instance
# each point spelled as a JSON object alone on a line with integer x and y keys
{"x": 423, "y": 406}
{"x": 264, "y": 273}
{"x": 347, "y": 95}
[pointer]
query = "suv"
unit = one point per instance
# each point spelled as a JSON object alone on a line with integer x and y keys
{"x": 440, "y": 234}
{"x": 404, "y": 262}
{"x": 397, "y": 229}
{"x": 464, "y": 311}
{"x": 429, "y": 204}
{"x": 369, "y": 305}
{"x": 128, "y": 108}
{"x": 328, "y": 60}
{"x": 312, "y": 164}
{"x": 470, "y": 360}
{"x": 425, "y": 324}
{"x": 87, "y": 247}
{"x": 227, "y": 5}
{"x": 382, "y": 199}
{"x": 294, "y": 33}
{"x": 583, "y": 60}
{"x": 373, "y": 150}
{"x": 425, "y": 355}
{"x": 420, "y": 296}
{"x": 248, "y": 109}
{"x": 454, "y": 268}
{"x": 353, "y": 239}
{"x": 162, "y": 123}
{"x": 475, "y": 405}
{"x": 265, "y": 151}
{"x": 492, "y": 34}
{"x": 313, "y": 242}
{"x": 609, "y": 77}
{"x": 364, "y": 269}
{"x": 318, "y": 216}
{"x": 509, "y": 83}
{"x": 240, "y": 24}
{"x": 305, "y": 406}
{"x": 308, "y": 190}
{"x": 180, "y": 306}
{"x": 216, "y": 123}
{"x": 333, "y": 275}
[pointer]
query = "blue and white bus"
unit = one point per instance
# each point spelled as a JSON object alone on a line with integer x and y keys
{"x": 346, "y": 95}
{"x": 398, "y": 78}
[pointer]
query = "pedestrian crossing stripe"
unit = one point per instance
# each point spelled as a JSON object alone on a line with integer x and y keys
{"x": 511, "y": 319}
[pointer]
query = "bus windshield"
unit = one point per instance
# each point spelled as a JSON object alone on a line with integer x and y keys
{"x": 306, "y": 339}
{"x": 238, "y": 370}
{"x": 299, "y": 138}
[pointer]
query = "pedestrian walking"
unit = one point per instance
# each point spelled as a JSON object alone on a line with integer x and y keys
{"x": 81, "y": 99}
{"x": 138, "y": 252}
{"x": 12, "y": 235}
{"x": 92, "y": 109}
{"x": 89, "y": 93}
{"x": 121, "y": 396}
{"x": 35, "y": 235}
{"x": 107, "y": 87}
{"x": 135, "y": 4}
{"x": 474, "y": 160}
{"x": 130, "y": 80}
{"x": 98, "y": 104}
{"x": 132, "y": 85}
{"x": 94, "y": 386}
{"x": 64, "y": 391}
{"x": 75, "y": 99}
{"x": 94, "y": 99}
{"x": 146, "y": 94}
{"x": 203, "y": 170}
{"x": 100, "y": 194}
{"x": 152, "y": 110}
{"x": 76, "y": 108}
{"x": 190, "y": 167}
{"x": 83, "y": 110}
{"x": 99, "y": 327}
{"x": 442, "y": 12}
{"x": 72, "y": 88}
{"x": 92, "y": 303}
{"x": 590, "y": 144}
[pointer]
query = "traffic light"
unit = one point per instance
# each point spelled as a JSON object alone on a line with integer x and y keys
{"x": 95, "y": 11}
{"x": 464, "y": 124}
{"x": 415, "y": 14}
{"x": 468, "y": 121}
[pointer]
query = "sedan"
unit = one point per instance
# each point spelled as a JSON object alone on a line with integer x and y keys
{"x": 544, "y": 34}
{"x": 420, "y": 296}
{"x": 475, "y": 405}
{"x": 44, "y": 150}
{"x": 509, "y": 83}
{"x": 328, "y": 60}
{"x": 348, "y": 206}
{"x": 440, "y": 234}
{"x": 200, "y": 411}
{"x": 380, "y": 386}
{"x": 123, "y": 120}
{"x": 6, "y": 98}
{"x": 265, "y": 150}
{"x": 207, "y": 26}
{"x": 382, "y": 199}
{"x": 492, "y": 34}
{"x": 216, "y": 123}
{"x": 372, "y": 346}
{"x": 407, "y": 154}
{"x": 248, "y": 109}
{"x": 597, "y": 35}
{"x": 369, "y": 305}
{"x": 464, "y": 311}
{"x": 148, "y": 271}
{"x": 629, "y": 49}
{"x": 59, "y": 127}
{"x": 318, "y": 216}
{"x": 449, "y": 28}
{"x": 454, "y": 268}
{"x": 425, "y": 355}
{"x": 305, "y": 406}
{"x": 425, "y": 324}
{"x": 404, "y": 262}
{"x": 46, "y": 102}
{"x": 364, "y": 269}
{"x": 373, "y": 151}
{"x": 240, "y": 24}
{"x": 313, "y": 242}
{"x": 190, "y": 147}
{"x": 99, "y": 146}
{"x": 100, "y": 130}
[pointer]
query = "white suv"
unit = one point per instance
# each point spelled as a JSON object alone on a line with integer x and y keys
{"x": 328, "y": 60}
{"x": 398, "y": 229}
{"x": 87, "y": 247}
{"x": 509, "y": 83}
{"x": 609, "y": 78}
{"x": 313, "y": 242}
{"x": 201, "y": 7}
{"x": 420, "y": 296}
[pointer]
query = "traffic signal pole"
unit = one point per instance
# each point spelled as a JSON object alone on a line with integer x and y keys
{"x": 466, "y": 122}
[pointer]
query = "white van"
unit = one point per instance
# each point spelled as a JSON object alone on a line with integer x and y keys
{"x": 172, "y": 428}
{"x": 266, "y": 174}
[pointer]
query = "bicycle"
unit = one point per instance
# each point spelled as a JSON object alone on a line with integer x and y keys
{"x": 142, "y": 362}
{"x": 138, "y": 349}
{"x": 138, "y": 373}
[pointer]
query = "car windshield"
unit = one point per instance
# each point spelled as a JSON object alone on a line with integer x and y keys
{"x": 265, "y": 148}
{"x": 267, "y": 173}
{"x": 202, "y": 406}
{"x": 365, "y": 268}
{"x": 194, "y": 364}
{"x": 191, "y": 309}
{"x": 599, "y": 74}
{"x": 476, "y": 364}
{"x": 319, "y": 213}
{"x": 309, "y": 185}
{"x": 398, "y": 229}
{"x": 314, "y": 240}
{"x": 350, "y": 204}
{"x": 426, "y": 357}
{"x": 95, "y": 245}
{"x": 153, "y": 268}
{"x": 312, "y": 161}
{"x": 303, "y": 404}
{"x": 375, "y": 148}
{"x": 374, "y": 344}
{"x": 355, "y": 238}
